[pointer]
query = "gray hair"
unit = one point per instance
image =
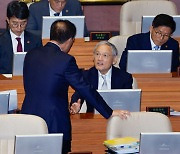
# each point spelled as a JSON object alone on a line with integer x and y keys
{"x": 112, "y": 46}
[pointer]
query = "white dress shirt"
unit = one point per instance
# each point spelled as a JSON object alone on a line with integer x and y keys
{"x": 153, "y": 45}
{"x": 15, "y": 42}
{"x": 108, "y": 79}
{"x": 52, "y": 12}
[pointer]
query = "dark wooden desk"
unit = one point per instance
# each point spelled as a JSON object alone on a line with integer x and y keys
{"x": 89, "y": 132}
{"x": 159, "y": 91}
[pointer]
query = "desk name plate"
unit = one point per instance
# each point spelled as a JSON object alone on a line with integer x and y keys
{"x": 162, "y": 109}
{"x": 100, "y": 36}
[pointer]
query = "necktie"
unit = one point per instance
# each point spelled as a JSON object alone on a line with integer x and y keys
{"x": 156, "y": 47}
{"x": 56, "y": 14}
{"x": 104, "y": 85}
{"x": 19, "y": 46}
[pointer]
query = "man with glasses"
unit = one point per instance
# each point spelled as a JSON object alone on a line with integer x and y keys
{"x": 16, "y": 39}
{"x": 52, "y": 8}
{"x": 158, "y": 38}
{"x": 105, "y": 55}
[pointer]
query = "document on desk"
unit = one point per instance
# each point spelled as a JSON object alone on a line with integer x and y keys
{"x": 175, "y": 113}
{"x": 123, "y": 145}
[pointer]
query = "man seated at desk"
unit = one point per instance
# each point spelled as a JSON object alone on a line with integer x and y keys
{"x": 158, "y": 38}
{"x": 16, "y": 39}
{"x": 52, "y": 8}
{"x": 104, "y": 75}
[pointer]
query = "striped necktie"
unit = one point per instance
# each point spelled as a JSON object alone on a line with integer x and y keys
{"x": 104, "y": 85}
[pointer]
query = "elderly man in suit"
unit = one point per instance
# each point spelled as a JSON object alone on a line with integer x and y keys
{"x": 159, "y": 38}
{"x": 52, "y": 8}
{"x": 16, "y": 39}
{"x": 48, "y": 72}
{"x": 105, "y": 55}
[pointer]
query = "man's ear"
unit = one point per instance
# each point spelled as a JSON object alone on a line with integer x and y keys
{"x": 115, "y": 60}
{"x": 151, "y": 28}
{"x": 7, "y": 20}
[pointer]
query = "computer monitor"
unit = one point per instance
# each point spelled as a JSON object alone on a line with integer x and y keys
{"x": 123, "y": 99}
{"x": 38, "y": 144}
{"x": 18, "y": 62}
{"x": 160, "y": 143}
{"x": 149, "y": 61}
{"x": 13, "y": 105}
{"x": 78, "y": 21}
{"x": 4, "y": 103}
{"x": 147, "y": 22}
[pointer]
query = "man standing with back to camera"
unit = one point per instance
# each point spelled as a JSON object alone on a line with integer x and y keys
{"x": 163, "y": 26}
{"x": 48, "y": 72}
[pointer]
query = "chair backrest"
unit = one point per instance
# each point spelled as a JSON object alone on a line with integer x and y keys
{"x": 18, "y": 124}
{"x": 131, "y": 14}
{"x": 136, "y": 123}
{"x": 120, "y": 43}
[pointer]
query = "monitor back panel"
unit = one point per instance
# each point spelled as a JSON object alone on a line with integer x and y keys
{"x": 124, "y": 99}
{"x": 149, "y": 61}
{"x": 38, "y": 144}
{"x": 78, "y": 21}
{"x": 160, "y": 143}
{"x": 4, "y": 103}
{"x": 18, "y": 63}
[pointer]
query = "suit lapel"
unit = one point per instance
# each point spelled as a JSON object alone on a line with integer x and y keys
{"x": 114, "y": 82}
{"x": 8, "y": 41}
{"x": 146, "y": 41}
{"x": 94, "y": 77}
{"x": 164, "y": 46}
{"x": 27, "y": 41}
{"x": 46, "y": 11}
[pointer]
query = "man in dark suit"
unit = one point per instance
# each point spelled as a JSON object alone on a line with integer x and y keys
{"x": 17, "y": 14}
{"x": 160, "y": 33}
{"x": 105, "y": 55}
{"x": 48, "y": 72}
{"x": 52, "y": 8}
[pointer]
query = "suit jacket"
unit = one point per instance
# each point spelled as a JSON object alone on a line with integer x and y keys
{"x": 6, "y": 49}
{"x": 119, "y": 80}
{"x": 40, "y": 9}
{"x": 142, "y": 42}
{"x": 48, "y": 72}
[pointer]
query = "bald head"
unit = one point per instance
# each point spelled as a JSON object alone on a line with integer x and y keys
{"x": 62, "y": 30}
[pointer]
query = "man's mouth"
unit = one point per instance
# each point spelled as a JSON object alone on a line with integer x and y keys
{"x": 100, "y": 63}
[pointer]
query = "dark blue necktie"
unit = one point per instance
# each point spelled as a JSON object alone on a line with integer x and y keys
{"x": 156, "y": 47}
{"x": 56, "y": 14}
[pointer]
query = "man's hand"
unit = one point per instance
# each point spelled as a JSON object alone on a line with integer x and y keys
{"x": 75, "y": 107}
{"x": 121, "y": 113}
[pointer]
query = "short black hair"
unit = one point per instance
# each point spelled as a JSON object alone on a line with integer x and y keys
{"x": 164, "y": 20}
{"x": 17, "y": 9}
{"x": 62, "y": 30}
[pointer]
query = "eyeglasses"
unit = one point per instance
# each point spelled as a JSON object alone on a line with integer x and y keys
{"x": 16, "y": 24}
{"x": 159, "y": 34}
{"x": 104, "y": 55}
